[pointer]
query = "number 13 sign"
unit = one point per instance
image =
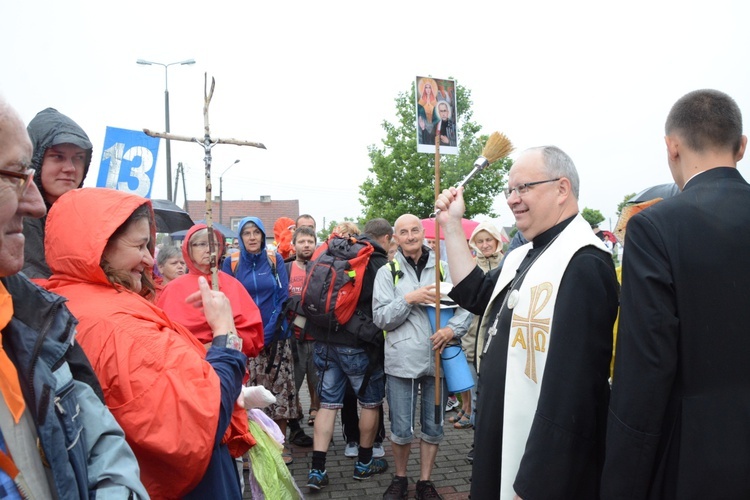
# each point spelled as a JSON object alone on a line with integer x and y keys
{"x": 128, "y": 161}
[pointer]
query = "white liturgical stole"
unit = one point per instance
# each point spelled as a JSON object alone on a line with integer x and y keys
{"x": 530, "y": 337}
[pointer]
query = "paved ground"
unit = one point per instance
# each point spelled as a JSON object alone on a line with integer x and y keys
{"x": 451, "y": 474}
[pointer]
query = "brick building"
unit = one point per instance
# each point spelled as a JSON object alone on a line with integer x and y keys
{"x": 232, "y": 211}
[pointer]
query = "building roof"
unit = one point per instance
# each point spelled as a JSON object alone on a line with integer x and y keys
{"x": 232, "y": 211}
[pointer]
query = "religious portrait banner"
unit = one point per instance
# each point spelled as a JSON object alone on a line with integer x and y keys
{"x": 436, "y": 115}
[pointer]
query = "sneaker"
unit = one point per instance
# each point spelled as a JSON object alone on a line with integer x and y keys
{"x": 366, "y": 471}
{"x": 316, "y": 479}
{"x": 377, "y": 450}
{"x": 352, "y": 449}
{"x": 398, "y": 489}
{"x": 452, "y": 403}
{"x": 426, "y": 491}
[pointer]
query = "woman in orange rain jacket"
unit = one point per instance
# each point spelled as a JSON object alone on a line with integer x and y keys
{"x": 173, "y": 399}
{"x": 247, "y": 319}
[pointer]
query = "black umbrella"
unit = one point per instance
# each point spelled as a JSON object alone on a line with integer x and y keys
{"x": 169, "y": 217}
{"x": 659, "y": 191}
{"x": 640, "y": 202}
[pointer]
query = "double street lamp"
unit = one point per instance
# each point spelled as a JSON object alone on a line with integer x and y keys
{"x": 166, "y": 113}
{"x": 221, "y": 191}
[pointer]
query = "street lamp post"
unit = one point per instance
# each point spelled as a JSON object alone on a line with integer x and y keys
{"x": 221, "y": 191}
{"x": 166, "y": 114}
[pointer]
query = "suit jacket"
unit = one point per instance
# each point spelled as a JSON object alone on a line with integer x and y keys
{"x": 679, "y": 422}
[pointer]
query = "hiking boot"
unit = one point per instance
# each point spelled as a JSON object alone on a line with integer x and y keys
{"x": 299, "y": 438}
{"x": 398, "y": 489}
{"x": 426, "y": 491}
{"x": 351, "y": 450}
{"x": 316, "y": 479}
{"x": 366, "y": 471}
{"x": 377, "y": 450}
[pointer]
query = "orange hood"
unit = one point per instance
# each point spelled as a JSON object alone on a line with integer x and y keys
{"x": 80, "y": 224}
{"x": 282, "y": 235}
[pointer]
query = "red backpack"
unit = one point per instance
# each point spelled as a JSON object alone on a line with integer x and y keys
{"x": 334, "y": 280}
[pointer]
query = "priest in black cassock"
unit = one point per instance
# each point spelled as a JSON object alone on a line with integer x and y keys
{"x": 679, "y": 425}
{"x": 545, "y": 338}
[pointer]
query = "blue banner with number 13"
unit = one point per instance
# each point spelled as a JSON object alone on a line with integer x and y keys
{"x": 128, "y": 161}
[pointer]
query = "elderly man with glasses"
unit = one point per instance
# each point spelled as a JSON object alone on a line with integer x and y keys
{"x": 545, "y": 337}
{"x": 57, "y": 439}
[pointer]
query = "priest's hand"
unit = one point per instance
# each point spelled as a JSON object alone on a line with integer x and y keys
{"x": 452, "y": 207}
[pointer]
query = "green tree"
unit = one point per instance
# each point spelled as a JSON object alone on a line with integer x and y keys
{"x": 593, "y": 217}
{"x": 402, "y": 180}
{"x": 623, "y": 202}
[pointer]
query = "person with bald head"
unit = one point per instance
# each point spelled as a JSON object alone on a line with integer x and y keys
{"x": 54, "y": 427}
{"x": 410, "y": 344}
{"x": 545, "y": 338}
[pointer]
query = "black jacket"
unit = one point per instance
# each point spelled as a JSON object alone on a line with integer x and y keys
{"x": 680, "y": 406}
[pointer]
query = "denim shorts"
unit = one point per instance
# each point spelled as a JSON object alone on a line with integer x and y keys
{"x": 402, "y": 405}
{"x": 337, "y": 364}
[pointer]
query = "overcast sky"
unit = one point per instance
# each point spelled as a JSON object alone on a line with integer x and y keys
{"x": 314, "y": 81}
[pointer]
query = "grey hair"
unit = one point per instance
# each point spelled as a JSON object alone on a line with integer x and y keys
{"x": 167, "y": 252}
{"x": 450, "y": 112}
{"x": 557, "y": 163}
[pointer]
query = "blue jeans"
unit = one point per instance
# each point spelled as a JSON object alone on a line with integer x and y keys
{"x": 402, "y": 404}
{"x": 336, "y": 364}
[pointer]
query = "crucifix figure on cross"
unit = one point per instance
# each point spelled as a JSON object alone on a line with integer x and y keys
{"x": 208, "y": 143}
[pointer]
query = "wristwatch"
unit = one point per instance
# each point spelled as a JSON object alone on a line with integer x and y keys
{"x": 229, "y": 340}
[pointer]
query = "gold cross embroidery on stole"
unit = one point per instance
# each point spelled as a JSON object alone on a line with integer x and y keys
{"x": 532, "y": 323}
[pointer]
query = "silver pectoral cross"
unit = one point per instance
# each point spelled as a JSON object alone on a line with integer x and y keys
{"x": 491, "y": 332}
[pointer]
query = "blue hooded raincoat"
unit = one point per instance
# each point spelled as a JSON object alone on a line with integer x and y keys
{"x": 268, "y": 289}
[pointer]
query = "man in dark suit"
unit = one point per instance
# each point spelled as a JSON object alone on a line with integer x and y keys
{"x": 679, "y": 420}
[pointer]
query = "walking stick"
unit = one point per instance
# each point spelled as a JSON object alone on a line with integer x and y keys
{"x": 208, "y": 143}
{"x": 438, "y": 401}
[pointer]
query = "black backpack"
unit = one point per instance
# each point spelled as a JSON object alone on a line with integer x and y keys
{"x": 334, "y": 281}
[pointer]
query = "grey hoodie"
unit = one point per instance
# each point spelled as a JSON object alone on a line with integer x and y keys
{"x": 48, "y": 128}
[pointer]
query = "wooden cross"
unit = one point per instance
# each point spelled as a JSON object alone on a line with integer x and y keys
{"x": 208, "y": 143}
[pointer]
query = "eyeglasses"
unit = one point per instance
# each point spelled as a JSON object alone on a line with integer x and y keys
{"x": 522, "y": 189}
{"x": 200, "y": 244}
{"x": 25, "y": 179}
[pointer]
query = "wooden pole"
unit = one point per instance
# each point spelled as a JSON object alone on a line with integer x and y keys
{"x": 213, "y": 245}
{"x": 438, "y": 402}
